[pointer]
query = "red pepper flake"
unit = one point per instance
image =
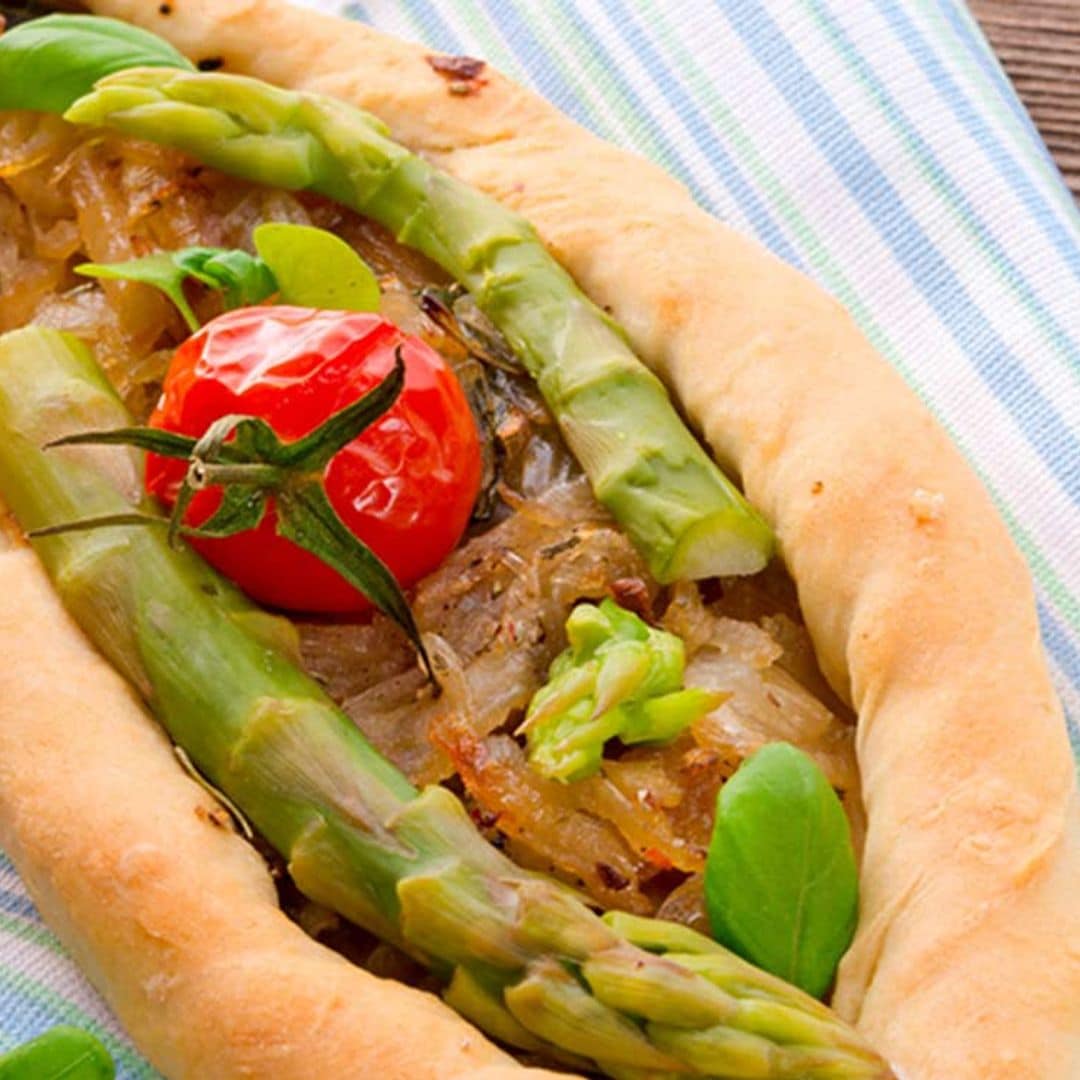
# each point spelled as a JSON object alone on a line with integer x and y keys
{"x": 657, "y": 858}
{"x": 463, "y": 73}
{"x": 633, "y": 594}
{"x": 457, "y": 67}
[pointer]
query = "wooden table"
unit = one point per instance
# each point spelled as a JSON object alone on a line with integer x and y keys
{"x": 1038, "y": 41}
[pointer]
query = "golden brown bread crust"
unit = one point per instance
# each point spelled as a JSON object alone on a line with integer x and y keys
{"x": 967, "y": 959}
{"x": 174, "y": 916}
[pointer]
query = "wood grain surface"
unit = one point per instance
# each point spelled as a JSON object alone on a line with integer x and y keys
{"x": 1038, "y": 42}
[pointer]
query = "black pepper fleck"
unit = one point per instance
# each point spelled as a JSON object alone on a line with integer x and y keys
{"x": 611, "y": 877}
{"x": 210, "y": 63}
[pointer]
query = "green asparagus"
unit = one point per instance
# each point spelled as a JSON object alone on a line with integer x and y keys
{"x": 618, "y": 678}
{"x": 520, "y": 955}
{"x": 685, "y": 517}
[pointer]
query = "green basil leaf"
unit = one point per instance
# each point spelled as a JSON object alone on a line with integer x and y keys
{"x": 62, "y": 1052}
{"x": 159, "y": 271}
{"x": 305, "y": 266}
{"x": 314, "y": 268}
{"x": 50, "y": 63}
{"x": 781, "y": 885}
{"x": 243, "y": 278}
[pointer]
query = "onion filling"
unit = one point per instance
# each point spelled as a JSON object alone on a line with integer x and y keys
{"x": 632, "y": 837}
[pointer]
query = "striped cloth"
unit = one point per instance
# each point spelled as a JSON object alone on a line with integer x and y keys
{"x": 878, "y": 147}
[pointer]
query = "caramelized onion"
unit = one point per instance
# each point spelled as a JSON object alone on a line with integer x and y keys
{"x": 635, "y": 835}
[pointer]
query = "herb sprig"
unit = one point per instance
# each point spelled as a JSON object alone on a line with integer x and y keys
{"x": 297, "y": 264}
{"x": 243, "y": 456}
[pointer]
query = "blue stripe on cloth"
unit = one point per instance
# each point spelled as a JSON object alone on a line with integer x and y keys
{"x": 1059, "y": 644}
{"x": 536, "y": 63}
{"x": 671, "y": 88}
{"x": 952, "y": 192}
{"x": 962, "y": 23}
{"x": 437, "y": 31}
{"x": 15, "y": 902}
{"x": 928, "y": 271}
{"x": 1012, "y": 170}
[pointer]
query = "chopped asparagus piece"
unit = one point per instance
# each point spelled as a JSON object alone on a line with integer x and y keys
{"x": 619, "y": 678}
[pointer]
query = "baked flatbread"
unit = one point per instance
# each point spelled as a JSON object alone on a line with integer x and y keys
{"x": 967, "y": 957}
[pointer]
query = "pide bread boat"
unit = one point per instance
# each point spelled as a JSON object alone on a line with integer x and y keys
{"x": 561, "y": 725}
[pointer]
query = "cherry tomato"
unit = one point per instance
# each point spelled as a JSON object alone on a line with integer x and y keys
{"x": 406, "y": 486}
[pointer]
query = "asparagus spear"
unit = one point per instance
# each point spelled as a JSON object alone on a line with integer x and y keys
{"x": 685, "y": 517}
{"x": 619, "y": 677}
{"x": 520, "y": 955}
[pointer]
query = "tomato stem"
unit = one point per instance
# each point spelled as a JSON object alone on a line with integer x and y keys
{"x": 202, "y": 475}
{"x": 244, "y": 457}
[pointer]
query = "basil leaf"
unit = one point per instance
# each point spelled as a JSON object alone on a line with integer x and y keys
{"x": 243, "y": 278}
{"x": 61, "y": 1053}
{"x": 781, "y": 886}
{"x": 305, "y": 266}
{"x": 50, "y": 63}
{"x": 159, "y": 270}
{"x": 314, "y": 268}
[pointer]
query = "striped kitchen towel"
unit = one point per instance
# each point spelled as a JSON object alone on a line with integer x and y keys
{"x": 875, "y": 145}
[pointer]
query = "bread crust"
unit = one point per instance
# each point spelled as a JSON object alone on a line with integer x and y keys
{"x": 170, "y": 913}
{"x": 966, "y": 963}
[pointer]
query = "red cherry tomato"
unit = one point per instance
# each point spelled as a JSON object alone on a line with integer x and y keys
{"x": 406, "y": 486}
